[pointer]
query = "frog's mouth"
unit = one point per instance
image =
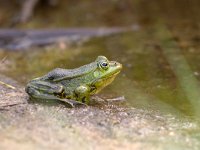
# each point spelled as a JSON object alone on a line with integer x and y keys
{"x": 107, "y": 79}
{"x": 111, "y": 75}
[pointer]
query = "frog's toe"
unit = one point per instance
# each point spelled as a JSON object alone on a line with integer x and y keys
{"x": 77, "y": 103}
{"x": 73, "y": 103}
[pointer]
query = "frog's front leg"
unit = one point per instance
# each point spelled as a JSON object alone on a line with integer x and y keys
{"x": 49, "y": 91}
{"x": 82, "y": 93}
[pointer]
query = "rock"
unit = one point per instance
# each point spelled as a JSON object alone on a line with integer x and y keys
{"x": 33, "y": 125}
{"x": 11, "y": 94}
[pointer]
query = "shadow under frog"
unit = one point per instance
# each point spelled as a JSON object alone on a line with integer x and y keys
{"x": 74, "y": 86}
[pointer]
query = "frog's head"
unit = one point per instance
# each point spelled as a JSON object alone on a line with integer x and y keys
{"x": 105, "y": 72}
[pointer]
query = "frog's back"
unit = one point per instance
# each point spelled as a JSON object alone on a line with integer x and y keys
{"x": 61, "y": 74}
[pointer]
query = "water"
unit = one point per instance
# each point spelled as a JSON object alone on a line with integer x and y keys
{"x": 148, "y": 79}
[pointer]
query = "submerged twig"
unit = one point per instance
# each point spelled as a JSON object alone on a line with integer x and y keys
{"x": 181, "y": 68}
{"x": 23, "y": 39}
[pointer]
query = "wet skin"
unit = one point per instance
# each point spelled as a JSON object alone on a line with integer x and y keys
{"x": 74, "y": 86}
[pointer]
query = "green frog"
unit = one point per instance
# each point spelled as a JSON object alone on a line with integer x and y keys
{"x": 74, "y": 86}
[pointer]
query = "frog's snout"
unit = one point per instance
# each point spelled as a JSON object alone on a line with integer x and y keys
{"x": 118, "y": 65}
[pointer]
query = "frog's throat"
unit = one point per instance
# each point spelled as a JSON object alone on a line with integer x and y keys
{"x": 107, "y": 77}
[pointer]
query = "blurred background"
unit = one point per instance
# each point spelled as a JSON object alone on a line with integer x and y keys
{"x": 61, "y": 13}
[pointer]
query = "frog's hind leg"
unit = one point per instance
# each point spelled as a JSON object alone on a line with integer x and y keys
{"x": 35, "y": 94}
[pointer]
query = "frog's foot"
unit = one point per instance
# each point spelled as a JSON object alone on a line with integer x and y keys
{"x": 73, "y": 103}
{"x": 96, "y": 100}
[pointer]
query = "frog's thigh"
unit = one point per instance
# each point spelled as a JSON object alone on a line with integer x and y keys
{"x": 35, "y": 94}
{"x": 82, "y": 93}
{"x": 46, "y": 87}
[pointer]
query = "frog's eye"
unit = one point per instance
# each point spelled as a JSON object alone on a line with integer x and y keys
{"x": 104, "y": 65}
